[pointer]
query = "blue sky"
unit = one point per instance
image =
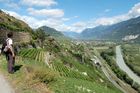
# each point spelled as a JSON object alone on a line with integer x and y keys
{"x": 71, "y": 15}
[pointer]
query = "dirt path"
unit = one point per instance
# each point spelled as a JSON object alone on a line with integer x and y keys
{"x": 4, "y": 86}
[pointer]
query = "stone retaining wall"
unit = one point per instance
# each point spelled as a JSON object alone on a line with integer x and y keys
{"x": 18, "y": 36}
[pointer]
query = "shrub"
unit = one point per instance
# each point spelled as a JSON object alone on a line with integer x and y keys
{"x": 44, "y": 75}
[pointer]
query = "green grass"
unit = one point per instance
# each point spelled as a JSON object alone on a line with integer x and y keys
{"x": 73, "y": 85}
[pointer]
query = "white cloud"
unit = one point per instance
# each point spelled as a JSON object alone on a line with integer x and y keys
{"x": 78, "y": 26}
{"x": 46, "y": 12}
{"x": 41, "y": 3}
{"x": 57, "y": 21}
{"x": 111, "y": 20}
{"x": 134, "y": 12}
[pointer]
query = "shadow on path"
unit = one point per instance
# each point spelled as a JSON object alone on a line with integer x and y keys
{"x": 17, "y": 67}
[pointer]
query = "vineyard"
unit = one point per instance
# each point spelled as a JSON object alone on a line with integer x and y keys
{"x": 66, "y": 72}
{"x": 36, "y": 54}
{"x": 74, "y": 81}
{"x": 90, "y": 71}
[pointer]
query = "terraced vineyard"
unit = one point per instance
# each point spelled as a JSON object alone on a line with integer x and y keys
{"x": 89, "y": 70}
{"x": 74, "y": 80}
{"x": 67, "y": 72}
{"x": 36, "y": 54}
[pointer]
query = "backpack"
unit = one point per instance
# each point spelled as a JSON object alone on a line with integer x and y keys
{"x": 4, "y": 48}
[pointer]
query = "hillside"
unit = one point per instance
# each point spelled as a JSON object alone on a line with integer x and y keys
{"x": 20, "y": 29}
{"x": 11, "y": 23}
{"x": 59, "y": 68}
{"x": 55, "y": 66}
{"x": 51, "y": 31}
{"x": 94, "y": 33}
{"x": 126, "y": 30}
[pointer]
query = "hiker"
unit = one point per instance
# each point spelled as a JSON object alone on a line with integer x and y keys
{"x": 9, "y": 52}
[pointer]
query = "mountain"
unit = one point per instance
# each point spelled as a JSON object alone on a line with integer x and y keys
{"x": 70, "y": 34}
{"x": 51, "y": 31}
{"x": 94, "y": 33}
{"x": 19, "y": 28}
{"x": 126, "y": 30}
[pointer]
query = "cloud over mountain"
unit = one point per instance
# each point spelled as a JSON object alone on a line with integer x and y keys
{"x": 38, "y": 2}
{"x": 42, "y": 12}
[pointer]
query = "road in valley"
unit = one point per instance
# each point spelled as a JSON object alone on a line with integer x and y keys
{"x": 125, "y": 88}
{"x": 124, "y": 67}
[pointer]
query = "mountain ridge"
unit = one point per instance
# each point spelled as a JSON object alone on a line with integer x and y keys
{"x": 124, "y": 30}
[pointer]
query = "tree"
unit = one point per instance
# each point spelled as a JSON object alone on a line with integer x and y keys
{"x": 40, "y": 36}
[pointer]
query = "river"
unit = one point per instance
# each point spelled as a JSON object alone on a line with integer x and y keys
{"x": 124, "y": 67}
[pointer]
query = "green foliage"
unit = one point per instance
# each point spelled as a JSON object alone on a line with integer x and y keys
{"x": 52, "y": 45}
{"x": 40, "y": 36}
{"x": 9, "y": 23}
{"x": 36, "y": 54}
{"x": 67, "y": 72}
{"x": 13, "y": 24}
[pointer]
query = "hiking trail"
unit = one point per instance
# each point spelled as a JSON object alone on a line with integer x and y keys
{"x": 4, "y": 85}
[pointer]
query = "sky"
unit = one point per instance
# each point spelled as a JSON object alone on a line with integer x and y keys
{"x": 71, "y": 15}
